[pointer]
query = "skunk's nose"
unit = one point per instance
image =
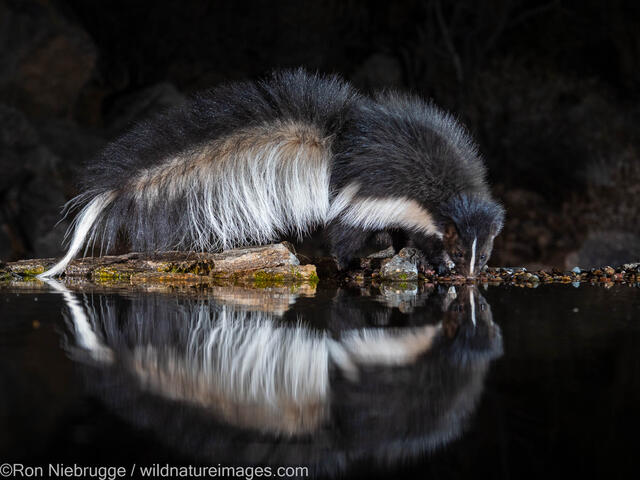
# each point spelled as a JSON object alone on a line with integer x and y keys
{"x": 462, "y": 268}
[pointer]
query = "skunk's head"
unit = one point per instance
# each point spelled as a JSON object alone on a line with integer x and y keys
{"x": 470, "y": 224}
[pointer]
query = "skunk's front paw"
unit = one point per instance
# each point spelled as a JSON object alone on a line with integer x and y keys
{"x": 425, "y": 267}
{"x": 341, "y": 263}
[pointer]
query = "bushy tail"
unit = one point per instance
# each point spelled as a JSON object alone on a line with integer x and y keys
{"x": 82, "y": 226}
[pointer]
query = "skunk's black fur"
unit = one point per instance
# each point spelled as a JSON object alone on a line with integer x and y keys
{"x": 250, "y": 162}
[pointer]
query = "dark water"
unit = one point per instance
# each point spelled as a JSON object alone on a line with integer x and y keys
{"x": 427, "y": 383}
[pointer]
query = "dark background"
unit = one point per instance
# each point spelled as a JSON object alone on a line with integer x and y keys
{"x": 549, "y": 90}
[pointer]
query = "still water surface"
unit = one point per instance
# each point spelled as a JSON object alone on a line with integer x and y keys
{"x": 432, "y": 382}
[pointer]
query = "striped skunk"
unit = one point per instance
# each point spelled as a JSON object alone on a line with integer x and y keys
{"x": 252, "y": 161}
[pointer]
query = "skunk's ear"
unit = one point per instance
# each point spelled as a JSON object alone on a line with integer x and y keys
{"x": 498, "y": 221}
{"x": 496, "y": 228}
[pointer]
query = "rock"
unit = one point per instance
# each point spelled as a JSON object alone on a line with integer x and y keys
{"x": 31, "y": 189}
{"x": 253, "y": 258}
{"x": 404, "y": 299}
{"x": 72, "y": 145}
{"x": 402, "y": 267}
{"x": 140, "y": 105}
{"x": 374, "y": 261}
{"x": 276, "y": 300}
{"x": 510, "y": 270}
{"x": 39, "y": 164}
{"x": 576, "y": 270}
{"x": 386, "y": 253}
{"x": 411, "y": 254}
{"x": 609, "y": 248}
{"x": 46, "y": 59}
{"x": 327, "y": 267}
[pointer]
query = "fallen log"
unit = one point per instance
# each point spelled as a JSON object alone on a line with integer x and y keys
{"x": 269, "y": 265}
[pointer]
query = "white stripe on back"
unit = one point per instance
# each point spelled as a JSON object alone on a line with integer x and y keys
{"x": 472, "y": 264}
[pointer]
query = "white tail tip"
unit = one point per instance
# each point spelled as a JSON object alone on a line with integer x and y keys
{"x": 83, "y": 225}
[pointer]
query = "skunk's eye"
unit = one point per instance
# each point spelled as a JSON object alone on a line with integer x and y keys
{"x": 458, "y": 254}
{"x": 483, "y": 257}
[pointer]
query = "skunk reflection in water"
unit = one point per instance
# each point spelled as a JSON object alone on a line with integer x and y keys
{"x": 219, "y": 382}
